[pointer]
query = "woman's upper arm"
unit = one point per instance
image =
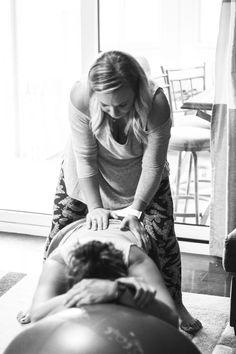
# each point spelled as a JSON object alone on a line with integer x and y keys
{"x": 155, "y": 152}
{"x": 79, "y": 97}
{"x": 160, "y": 111}
{"x": 83, "y": 141}
{"x": 52, "y": 281}
{"x": 141, "y": 265}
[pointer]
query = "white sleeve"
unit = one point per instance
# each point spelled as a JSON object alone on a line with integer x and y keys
{"x": 154, "y": 160}
{"x": 83, "y": 143}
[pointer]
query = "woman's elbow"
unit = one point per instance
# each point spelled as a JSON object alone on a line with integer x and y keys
{"x": 35, "y": 316}
{"x": 174, "y": 319}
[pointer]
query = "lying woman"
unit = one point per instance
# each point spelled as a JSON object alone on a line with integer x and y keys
{"x": 89, "y": 267}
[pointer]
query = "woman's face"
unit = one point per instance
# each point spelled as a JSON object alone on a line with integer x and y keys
{"x": 118, "y": 103}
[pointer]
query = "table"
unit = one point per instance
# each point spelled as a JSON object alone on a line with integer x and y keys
{"x": 202, "y": 101}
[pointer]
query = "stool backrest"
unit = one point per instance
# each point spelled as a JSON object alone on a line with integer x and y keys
{"x": 185, "y": 83}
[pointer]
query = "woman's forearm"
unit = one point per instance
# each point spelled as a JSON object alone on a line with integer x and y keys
{"x": 43, "y": 309}
{"x": 153, "y": 164}
{"x": 90, "y": 189}
{"x": 139, "y": 204}
{"x": 156, "y": 308}
{"x": 147, "y": 187}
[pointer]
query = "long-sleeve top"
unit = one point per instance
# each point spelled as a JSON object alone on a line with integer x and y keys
{"x": 124, "y": 170}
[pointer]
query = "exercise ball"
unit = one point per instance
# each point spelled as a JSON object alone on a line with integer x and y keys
{"x": 101, "y": 329}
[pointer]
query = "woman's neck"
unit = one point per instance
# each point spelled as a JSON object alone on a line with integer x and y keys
{"x": 118, "y": 131}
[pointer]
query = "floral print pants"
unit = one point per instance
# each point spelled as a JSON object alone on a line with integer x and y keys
{"x": 158, "y": 222}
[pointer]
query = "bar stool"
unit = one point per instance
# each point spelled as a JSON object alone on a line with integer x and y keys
{"x": 190, "y": 134}
{"x": 188, "y": 140}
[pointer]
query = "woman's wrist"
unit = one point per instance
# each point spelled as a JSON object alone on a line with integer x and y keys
{"x": 90, "y": 188}
{"x": 139, "y": 204}
{"x": 135, "y": 212}
{"x": 93, "y": 207}
{"x": 130, "y": 210}
{"x": 119, "y": 289}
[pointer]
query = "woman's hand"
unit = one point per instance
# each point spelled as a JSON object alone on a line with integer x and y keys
{"x": 132, "y": 223}
{"x": 98, "y": 218}
{"x": 91, "y": 291}
{"x": 143, "y": 293}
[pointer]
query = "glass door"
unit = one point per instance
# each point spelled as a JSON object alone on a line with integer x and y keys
{"x": 40, "y": 61}
{"x": 172, "y": 34}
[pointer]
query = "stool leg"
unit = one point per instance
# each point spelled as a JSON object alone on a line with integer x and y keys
{"x": 177, "y": 185}
{"x": 232, "y": 303}
{"x": 188, "y": 185}
{"x": 196, "y": 196}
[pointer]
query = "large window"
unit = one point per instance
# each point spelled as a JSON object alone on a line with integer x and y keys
{"x": 45, "y": 45}
{"x": 174, "y": 33}
{"x": 42, "y": 43}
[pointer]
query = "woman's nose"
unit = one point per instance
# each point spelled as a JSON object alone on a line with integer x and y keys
{"x": 114, "y": 111}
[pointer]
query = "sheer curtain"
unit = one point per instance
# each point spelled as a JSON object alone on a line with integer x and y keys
{"x": 170, "y": 33}
{"x": 7, "y": 74}
{"x": 40, "y": 60}
{"x": 223, "y": 145}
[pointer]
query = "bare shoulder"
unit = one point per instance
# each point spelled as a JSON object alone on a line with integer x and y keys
{"x": 140, "y": 264}
{"x": 53, "y": 272}
{"x": 79, "y": 96}
{"x": 137, "y": 255}
{"x": 53, "y": 281}
{"x": 160, "y": 111}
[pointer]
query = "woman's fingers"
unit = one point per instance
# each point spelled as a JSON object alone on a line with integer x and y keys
{"x": 90, "y": 291}
{"x": 114, "y": 215}
{"x": 105, "y": 222}
{"x": 98, "y": 219}
{"x": 133, "y": 224}
{"x": 136, "y": 233}
{"x": 94, "y": 224}
{"x": 143, "y": 293}
{"x": 146, "y": 297}
{"x": 77, "y": 297}
{"x": 100, "y": 224}
{"x": 72, "y": 298}
{"x": 88, "y": 222}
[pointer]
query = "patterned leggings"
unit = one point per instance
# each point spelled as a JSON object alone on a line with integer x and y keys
{"x": 158, "y": 222}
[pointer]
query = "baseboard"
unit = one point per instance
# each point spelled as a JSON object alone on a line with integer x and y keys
{"x": 34, "y": 224}
{"x": 24, "y": 229}
{"x": 194, "y": 248}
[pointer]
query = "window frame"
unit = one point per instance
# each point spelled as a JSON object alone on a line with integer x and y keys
{"x": 38, "y": 224}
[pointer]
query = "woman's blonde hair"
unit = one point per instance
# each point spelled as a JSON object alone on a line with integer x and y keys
{"x": 111, "y": 71}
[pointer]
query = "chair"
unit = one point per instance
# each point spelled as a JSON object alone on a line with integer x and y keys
{"x": 185, "y": 83}
{"x": 188, "y": 138}
{"x": 229, "y": 264}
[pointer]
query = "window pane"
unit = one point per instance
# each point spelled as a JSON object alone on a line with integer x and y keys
{"x": 172, "y": 34}
{"x": 48, "y": 43}
{"x": 40, "y": 60}
{"x": 167, "y": 32}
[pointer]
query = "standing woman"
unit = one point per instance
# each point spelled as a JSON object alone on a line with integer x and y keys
{"x": 116, "y": 159}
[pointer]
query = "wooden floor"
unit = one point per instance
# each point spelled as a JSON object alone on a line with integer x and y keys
{"x": 201, "y": 274}
{"x": 204, "y": 275}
